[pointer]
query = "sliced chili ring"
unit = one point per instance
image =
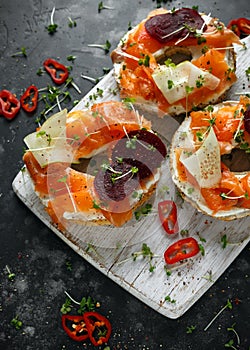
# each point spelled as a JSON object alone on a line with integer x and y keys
{"x": 29, "y": 99}
{"x": 240, "y": 26}
{"x": 244, "y": 25}
{"x": 58, "y": 72}
{"x": 75, "y": 327}
{"x": 99, "y": 327}
{"x": 183, "y": 249}
{"x": 9, "y": 104}
{"x": 168, "y": 216}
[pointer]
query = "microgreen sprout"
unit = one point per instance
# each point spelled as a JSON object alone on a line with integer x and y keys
{"x": 174, "y": 32}
{"x": 92, "y": 80}
{"x": 101, "y": 7}
{"x": 11, "y": 275}
{"x": 170, "y": 63}
{"x": 68, "y": 265}
{"x": 65, "y": 94}
{"x": 208, "y": 277}
{"x": 95, "y": 205}
{"x": 202, "y": 249}
{"x": 143, "y": 211}
{"x": 169, "y": 299}
{"x": 131, "y": 143}
{"x": 119, "y": 175}
{"x": 96, "y": 80}
{"x": 144, "y": 61}
{"x": 231, "y": 342}
{"x": 145, "y": 252}
{"x": 52, "y": 27}
{"x": 22, "y": 52}
{"x": 228, "y": 305}
{"x": 104, "y": 47}
{"x": 71, "y": 58}
{"x": 200, "y": 81}
{"x": 66, "y": 306}
{"x": 224, "y": 241}
{"x": 224, "y": 195}
{"x": 15, "y": 322}
{"x": 71, "y": 23}
{"x": 70, "y": 82}
{"x": 188, "y": 89}
{"x": 190, "y": 329}
{"x": 170, "y": 84}
{"x": 40, "y": 71}
{"x": 86, "y": 303}
{"x": 168, "y": 272}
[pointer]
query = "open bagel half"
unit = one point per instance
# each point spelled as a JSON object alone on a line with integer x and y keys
{"x": 176, "y": 60}
{"x": 210, "y": 159}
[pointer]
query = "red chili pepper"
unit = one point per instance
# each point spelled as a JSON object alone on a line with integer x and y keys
{"x": 180, "y": 250}
{"x": 75, "y": 327}
{"x": 98, "y": 326}
{"x": 168, "y": 215}
{"x": 244, "y": 25}
{"x": 9, "y": 104}
{"x": 233, "y": 25}
{"x": 240, "y": 26}
{"x": 58, "y": 72}
{"x": 29, "y": 99}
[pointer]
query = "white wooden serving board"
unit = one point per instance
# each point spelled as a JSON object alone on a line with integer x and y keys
{"x": 110, "y": 249}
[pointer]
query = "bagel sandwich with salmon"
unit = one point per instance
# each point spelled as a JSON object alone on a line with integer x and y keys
{"x": 176, "y": 60}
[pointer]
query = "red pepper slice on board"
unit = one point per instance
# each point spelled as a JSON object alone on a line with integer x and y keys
{"x": 98, "y": 326}
{"x": 9, "y": 104}
{"x": 29, "y": 99}
{"x": 168, "y": 215}
{"x": 58, "y": 72}
{"x": 240, "y": 26}
{"x": 183, "y": 249}
{"x": 75, "y": 327}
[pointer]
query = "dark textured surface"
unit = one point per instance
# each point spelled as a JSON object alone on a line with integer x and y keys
{"x": 37, "y": 257}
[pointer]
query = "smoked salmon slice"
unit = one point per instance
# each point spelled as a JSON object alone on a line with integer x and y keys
{"x": 90, "y": 131}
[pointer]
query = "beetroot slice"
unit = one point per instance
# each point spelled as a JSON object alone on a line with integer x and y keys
{"x": 108, "y": 188}
{"x": 142, "y": 149}
{"x": 167, "y": 27}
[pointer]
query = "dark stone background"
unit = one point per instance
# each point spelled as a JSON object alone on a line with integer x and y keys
{"x": 33, "y": 252}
